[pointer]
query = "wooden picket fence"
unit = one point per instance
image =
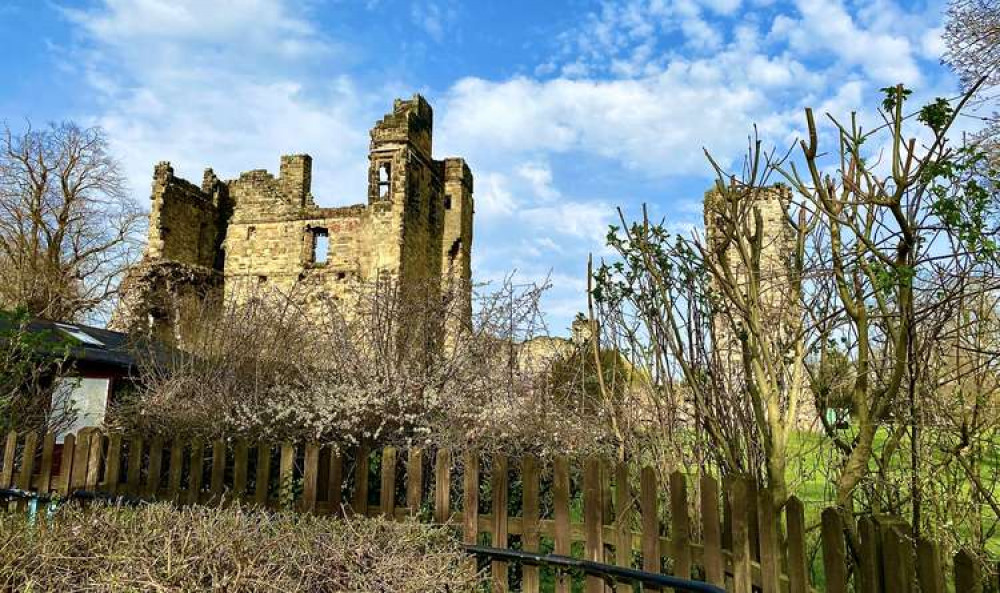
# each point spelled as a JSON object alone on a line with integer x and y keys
{"x": 726, "y": 536}
{"x": 887, "y": 559}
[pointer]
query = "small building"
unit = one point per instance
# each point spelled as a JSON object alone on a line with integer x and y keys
{"x": 85, "y": 367}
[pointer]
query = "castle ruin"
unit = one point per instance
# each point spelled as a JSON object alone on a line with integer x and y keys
{"x": 226, "y": 239}
{"x": 751, "y": 230}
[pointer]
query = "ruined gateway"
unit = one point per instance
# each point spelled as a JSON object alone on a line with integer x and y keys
{"x": 229, "y": 239}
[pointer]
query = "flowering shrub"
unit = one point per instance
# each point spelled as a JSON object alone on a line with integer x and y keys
{"x": 392, "y": 368}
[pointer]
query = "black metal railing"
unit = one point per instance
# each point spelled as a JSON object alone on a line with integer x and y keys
{"x": 18, "y": 494}
{"x": 608, "y": 572}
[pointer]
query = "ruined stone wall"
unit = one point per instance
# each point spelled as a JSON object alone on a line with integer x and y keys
{"x": 183, "y": 220}
{"x": 456, "y": 245}
{"x": 779, "y": 307}
{"x": 259, "y": 233}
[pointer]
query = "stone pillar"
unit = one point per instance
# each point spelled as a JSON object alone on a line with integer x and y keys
{"x": 296, "y": 178}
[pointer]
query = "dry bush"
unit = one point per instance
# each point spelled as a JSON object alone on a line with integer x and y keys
{"x": 374, "y": 366}
{"x": 160, "y": 548}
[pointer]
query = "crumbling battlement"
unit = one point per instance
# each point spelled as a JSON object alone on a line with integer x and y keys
{"x": 265, "y": 232}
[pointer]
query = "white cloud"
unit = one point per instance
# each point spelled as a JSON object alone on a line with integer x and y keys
{"x": 435, "y": 19}
{"x": 656, "y": 124}
{"x": 826, "y": 27}
{"x": 226, "y": 26}
{"x": 932, "y": 43}
{"x": 219, "y": 84}
{"x": 583, "y": 220}
{"x": 493, "y": 198}
{"x": 539, "y": 176}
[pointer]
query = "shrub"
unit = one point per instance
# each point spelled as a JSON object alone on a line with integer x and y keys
{"x": 376, "y": 372}
{"x": 162, "y": 548}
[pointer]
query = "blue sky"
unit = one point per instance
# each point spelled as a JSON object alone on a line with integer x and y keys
{"x": 564, "y": 109}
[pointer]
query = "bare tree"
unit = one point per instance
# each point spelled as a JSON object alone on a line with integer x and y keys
{"x": 67, "y": 223}
{"x": 972, "y": 34}
{"x": 724, "y": 317}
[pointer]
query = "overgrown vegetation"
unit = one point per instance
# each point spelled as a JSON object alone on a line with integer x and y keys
{"x": 873, "y": 291}
{"x": 377, "y": 371}
{"x": 30, "y": 363}
{"x": 161, "y": 548}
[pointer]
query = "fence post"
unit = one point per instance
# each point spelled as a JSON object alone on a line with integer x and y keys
{"x": 286, "y": 476}
{"x": 680, "y": 527}
{"x": 834, "y": 552}
{"x": 530, "y": 510}
{"x": 711, "y": 535}
{"x": 740, "y": 503}
{"x": 7, "y": 474}
{"x": 442, "y": 486}
{"x": 897, "y": 557}
{"x": 387, "y": 489}
{"x": 649, "y": 508}
{"x": 217, "y": 485}
{"x": 968, "y": 575}
{"x": 45, "y": 475}
{"x": 560, "y": 503}
{"x": 197, "y": 469}
{"x": 470, "y": 502}
{"x": 134, "y": 468}
{"x": 796, "y": 522}
{"x": 27, "y": 466}
{"x": 335, "y": 482}
{"x": 81, "y": 451}
{"x": 359, "y": 502}
{"x": 623, "y": 522}
{"x": 414, "y": 479}
{"x": 753, "y": 524}
{"x": 260, "y": 493}
{"x": 930, "y": 574}
{"x": 94, "y": 459}
{"x": 869, "y": 565}
{"x": 66, "y": 465}
{"x": 593, "y": 510}
{"x": 499, "y": 487}
{"x": 770, "y": 553}
{"x": 174, "y": 477}
{"x": 112, "y": 466}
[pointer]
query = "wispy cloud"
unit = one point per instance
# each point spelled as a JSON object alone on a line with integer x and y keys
{"x": 231, "y": 85}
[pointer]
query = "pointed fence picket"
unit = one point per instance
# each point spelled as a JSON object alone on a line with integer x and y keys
{"x": 612, "y": 513}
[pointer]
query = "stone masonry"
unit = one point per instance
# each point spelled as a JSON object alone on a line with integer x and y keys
{"x": 259, "y": 231}
{"x": 779, "y": 305}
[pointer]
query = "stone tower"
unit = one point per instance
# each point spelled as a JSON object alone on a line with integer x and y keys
{"x": 726, "y": 223}
{"x": 229, "y": 239}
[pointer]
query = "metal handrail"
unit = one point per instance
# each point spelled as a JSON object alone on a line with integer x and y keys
{"x": 605, "y": 571}
{"x": 7, "y": 493}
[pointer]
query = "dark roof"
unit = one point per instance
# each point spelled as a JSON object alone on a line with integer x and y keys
{"x": 78, "y": 342}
